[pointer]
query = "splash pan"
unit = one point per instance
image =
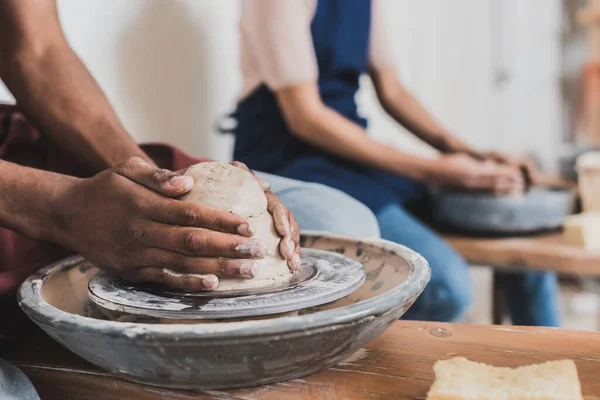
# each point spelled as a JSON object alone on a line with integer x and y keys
{"x": 219, "y": 354}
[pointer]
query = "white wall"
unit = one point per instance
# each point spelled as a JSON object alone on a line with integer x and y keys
{"x": 171, "y": 68}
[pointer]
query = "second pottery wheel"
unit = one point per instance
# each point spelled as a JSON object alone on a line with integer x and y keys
{"x": 538, "y": 209}
{"x": 323, "y": 278}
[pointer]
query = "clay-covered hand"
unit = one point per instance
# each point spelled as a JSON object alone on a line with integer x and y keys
{"x": 285, "y": 223}
{"x": 525, "y": 164}
{"x": 460, "y": 171}
{"x": 125, "y": 220}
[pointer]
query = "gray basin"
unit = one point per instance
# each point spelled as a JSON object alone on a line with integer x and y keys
{"x": 537, "y": 210}
{"x": 218, "y": 355}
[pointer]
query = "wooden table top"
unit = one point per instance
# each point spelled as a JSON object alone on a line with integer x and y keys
{"x": 547, "y": 252}
{"x": 397, "y": 365}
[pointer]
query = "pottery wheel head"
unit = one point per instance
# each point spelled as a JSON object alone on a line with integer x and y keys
{"x": 324, "y": 277}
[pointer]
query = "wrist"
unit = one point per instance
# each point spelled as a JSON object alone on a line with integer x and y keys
{"x": 58, "y": 221}
{"x": 454, "y": 145}
{"x": 430, "y": 170}
{"x": 420, "y": 169}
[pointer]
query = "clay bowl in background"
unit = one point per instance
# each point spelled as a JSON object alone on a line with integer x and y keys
{"x": 218, "y": 355}
{"x": 537, "y": 210}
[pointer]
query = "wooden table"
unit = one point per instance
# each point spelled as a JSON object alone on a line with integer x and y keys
{"x": 397, "y": 365}
{"x": 547, "y": 252}
{"x": 543, "y": 252}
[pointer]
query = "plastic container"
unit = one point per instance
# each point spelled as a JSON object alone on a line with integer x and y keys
{"x": 588, "y": 170}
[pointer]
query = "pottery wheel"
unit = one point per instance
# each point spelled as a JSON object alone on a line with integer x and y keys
{"x": 537, "y": 210}
{"x": 323, "y": 278}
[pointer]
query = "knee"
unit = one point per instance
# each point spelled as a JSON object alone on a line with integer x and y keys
{"x": 321, "y": 208}
{"x": 449, "y": 301}
{"x": 448, "y": 294}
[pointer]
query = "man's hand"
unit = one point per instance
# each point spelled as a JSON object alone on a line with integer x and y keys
{"x": 125, "y": 220}
{"x": 460, "y": 171}
{"x": 285, "y": 223}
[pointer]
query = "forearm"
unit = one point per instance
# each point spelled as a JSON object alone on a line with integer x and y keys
{"x": 408, "y": 111}
{"x": 27, "y": 198}
{"x": 57, "y": 93}
{"x": 330, "y": 131}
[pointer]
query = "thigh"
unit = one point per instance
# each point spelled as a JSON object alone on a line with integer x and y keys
{"x": 353, "y": 181}
{"x": 14, "y": 385}
{"x": 406, "y": 191}
{"x": 321, "y": 208}
{"x": 448, "y": 269}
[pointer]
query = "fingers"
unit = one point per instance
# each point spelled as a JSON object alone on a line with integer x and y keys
{"x": 264, "y": 185}
{"x": 184, "y": 264}
{"x": 295, "y": 263}
{"x": 285, "y": 223}
{"x": 508, "y": 180}
{"x": 182, "y": 213}
{"x": 500, "y": 179}
{"x": 174, "y": 280}
{"x": 159, "y": 180}
{"x": 286, "y": 226}
{"x": 204, "y": 243}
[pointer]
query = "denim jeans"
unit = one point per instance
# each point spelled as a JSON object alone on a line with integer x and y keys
{"x": 396, "y": 201}
{"x": 321, "y": 208}
{"x": 532, "y": 298}
{"x": 14, "y": 385}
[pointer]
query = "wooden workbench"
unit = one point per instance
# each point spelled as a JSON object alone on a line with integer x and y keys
{"x": 547, "y": 252}
{"x": 397, "y": 365}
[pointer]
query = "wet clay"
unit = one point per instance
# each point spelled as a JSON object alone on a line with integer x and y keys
{"x": 229, "y": 188}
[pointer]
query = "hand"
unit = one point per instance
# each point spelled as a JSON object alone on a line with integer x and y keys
{"x": 126, "y": 221}
{"x": 460, "y": 171}
{"x": 285, "y": 223}
{"x": 525, "y": 164}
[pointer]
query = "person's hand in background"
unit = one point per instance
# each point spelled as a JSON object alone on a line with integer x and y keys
{"x": 126, "y": 220}
{"x": 284, "y": 220}
{"x": 463, "y": 172}
{"x": 529, "y": 168}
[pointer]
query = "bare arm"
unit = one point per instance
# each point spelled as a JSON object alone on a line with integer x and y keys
{"x": 20, "y": 207}
{"x": 408, "y": 112}
{"x": 55, "y": 90}
{"x": 317, "y": 124}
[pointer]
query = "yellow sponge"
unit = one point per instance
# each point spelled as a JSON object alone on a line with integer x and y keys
{"x": 583, "y": 230}
{"x": 462, "y": 379}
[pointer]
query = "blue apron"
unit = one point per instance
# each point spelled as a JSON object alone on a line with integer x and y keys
{"x": 340, "y": 32}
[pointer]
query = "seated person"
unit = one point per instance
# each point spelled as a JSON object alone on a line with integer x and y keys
{"x": 297, "y": 117}
{"x": 72, "y": 180}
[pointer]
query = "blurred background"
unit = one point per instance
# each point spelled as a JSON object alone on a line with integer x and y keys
{"x": 495, "y": 71}
{"x": 503, "y": 74}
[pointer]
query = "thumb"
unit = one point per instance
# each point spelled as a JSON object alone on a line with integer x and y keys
{"x": 162, "y": 181}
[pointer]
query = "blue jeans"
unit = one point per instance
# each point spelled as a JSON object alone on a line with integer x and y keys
{"x": 321, "y": 208}
{"x": 532, "y": 297}
{"x": 14, "y": 385}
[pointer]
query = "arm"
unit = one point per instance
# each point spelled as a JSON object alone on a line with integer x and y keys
{"x": 20, "y": 208}
{"x": 55, "y": 90}
{"x": 287, "y": 65}
{"x": 125, "y": 220}
{"x": 407, "y": 111}
{"x": 58, "y": 94}
{"x": 315, "y": 123}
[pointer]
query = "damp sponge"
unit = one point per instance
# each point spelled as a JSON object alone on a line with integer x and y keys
{"x": 462, "y": 379}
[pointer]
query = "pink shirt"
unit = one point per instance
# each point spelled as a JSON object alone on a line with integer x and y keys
{"x": 277, "y": 47}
